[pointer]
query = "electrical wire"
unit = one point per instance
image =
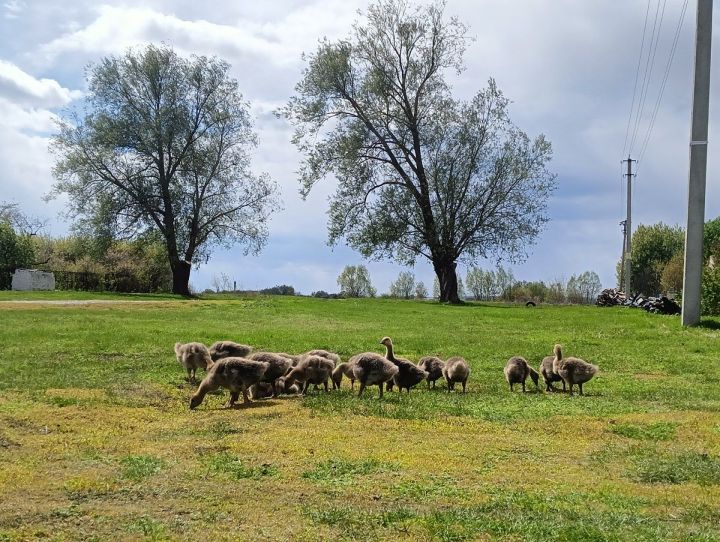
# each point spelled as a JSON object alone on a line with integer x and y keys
{"x": 673, "y": 48}
{"x": 637, "y": 77}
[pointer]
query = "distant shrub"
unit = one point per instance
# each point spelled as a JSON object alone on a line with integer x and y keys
{"x": 283, "y": 289}
{"x": 324, "y": 295}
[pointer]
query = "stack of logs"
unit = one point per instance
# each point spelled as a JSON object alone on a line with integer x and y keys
{"x": 656, "y": 305}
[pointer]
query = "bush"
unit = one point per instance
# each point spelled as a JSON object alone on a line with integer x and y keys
{"x": 283, "y": 289}
{"x": 710, "y": 296}
{"x": 16, "y": 252}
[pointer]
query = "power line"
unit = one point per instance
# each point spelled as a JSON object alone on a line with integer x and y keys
{"x": 649, "y": 65}
{"x": 664, "y": 80}
{"x": 637, "y": 76}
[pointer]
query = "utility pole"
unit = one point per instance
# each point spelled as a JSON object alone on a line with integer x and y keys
{"x": 692, "y": 275}
{"x": 622, "y": 256}
{"x": 628, "y": 228}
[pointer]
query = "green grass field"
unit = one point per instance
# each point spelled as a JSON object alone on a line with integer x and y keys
{"x": 97, "y": 442}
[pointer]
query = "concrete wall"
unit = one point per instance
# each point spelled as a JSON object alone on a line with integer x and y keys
{"x": 32, "y": 279}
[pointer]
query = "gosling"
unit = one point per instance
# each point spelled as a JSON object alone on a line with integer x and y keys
{"x": 434, "y": 367}
{"x": 343, "y": 369}
{"x": 235, "y": 374}
{"x": 312, "y": 370}
{"x": 193, "y": 356}
{"x": 517, "y": 370}
{"x": 370, "y": 368}
{"x": 278, "y": 366}
{"x": 572, "y": 370}
{"x": 408, "y": 374}
{"x": 456, "y": 370}
{"x": 546, "y": 370}
{"x": 228, "y": 349}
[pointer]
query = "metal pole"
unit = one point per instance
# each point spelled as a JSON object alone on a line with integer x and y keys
{"x": 692, "y": 276}
{"x": 628, "y": 229}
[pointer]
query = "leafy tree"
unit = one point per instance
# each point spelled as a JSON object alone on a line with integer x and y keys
{"x": 16, "y": 252}
{"x": 403, "y": 286}
{"x": 583, "y": 288}
{"x": 475, "y": 282}
{"x": 420, "y": 173}
{"x": 19, "y": 221}
{"x": 354, "y": 281}
{"x": 504, "y": 279}
{"x": 164, "y": 146}
{"x": 421, "y": 291}
{"x": 671, "y": 278}
{"x": 556, "y": 291}
{"x": 652, "y": 248}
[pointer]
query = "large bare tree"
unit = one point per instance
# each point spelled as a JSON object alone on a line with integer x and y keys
{"x": 419, "y": 172}
{"x": 163, "y": 145}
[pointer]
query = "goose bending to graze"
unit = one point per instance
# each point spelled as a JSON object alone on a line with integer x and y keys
{"x": 235, "y": 374}
{"x": 287, "y": 386}
{"x": 371, "y": 369}
{"x": 260, "y": 390}
{"x": 229, "y": 349}
{"x": 343, "y": 369}
{"x": 456, "y": 370}
{"x": 517, "y": 370}
{"x": 278, "y": 367}
{"x": 434, "y": 367}
{"x": 572, "y": 370}
{"x": 546, "y": 370}
{"x": 193, "y": 356}
{"x": 408, "y": 374}
{"x": 312, "y": 370}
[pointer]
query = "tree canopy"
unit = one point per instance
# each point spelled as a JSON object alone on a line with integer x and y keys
{"x": 420, "y": 173}
{"x": 163, "y": 146}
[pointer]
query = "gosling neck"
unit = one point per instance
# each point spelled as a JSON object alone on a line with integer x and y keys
{"x": 389, "y": 353}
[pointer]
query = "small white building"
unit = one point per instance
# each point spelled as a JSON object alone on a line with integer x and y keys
{"x": 32, "y": 279}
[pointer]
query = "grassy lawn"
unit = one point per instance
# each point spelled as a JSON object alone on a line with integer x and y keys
{"x": 97, "y": 442}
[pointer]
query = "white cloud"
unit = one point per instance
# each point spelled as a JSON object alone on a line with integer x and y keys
{"x": 13, "y": 8}
{"x": 24, "y": 89}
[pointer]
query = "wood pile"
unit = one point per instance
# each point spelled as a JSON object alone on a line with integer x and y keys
{"x": 657, "y": 305}
{"x": 611, "y": 297}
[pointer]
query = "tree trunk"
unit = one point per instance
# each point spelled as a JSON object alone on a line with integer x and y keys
{"x": 447, "y": 278}
{"x": 181, "y": 277}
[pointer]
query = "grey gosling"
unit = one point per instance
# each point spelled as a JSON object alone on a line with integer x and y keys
{"x": 332, "y": 356}
{"x": 408, "y": 374}
{"x": 456, "y": 370}
{"x": 434, "y": 367}
{"x": 517, "y": 370}
{"x": 343, "y": 369}
{"x": 312, "y": 370}
{"x": 229, "y": 349}
{"x": 371, "y": 369}
{"x": 572, "y": 370}
{"x": 278, "y": 367}
{"x": 235, "y": 374}
{"x": 193, "y": 356}
{"x": 287, "y": 386}
{"x": 546, "y": 370}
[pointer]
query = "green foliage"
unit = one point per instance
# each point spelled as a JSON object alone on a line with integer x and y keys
{"x": 165, "y": 148}
{"x": 420, "y": 173}
{"x": 710, "y": 294}
{"x": 139, "y": 265}
{"x": 16, "y": 252}
{"x": 583, "y": 288}
{"x": 652, "y": 248}
{"x": 354, "y": 281}
{"x": 403, "y": 286}
{"x": 283, "y": 289}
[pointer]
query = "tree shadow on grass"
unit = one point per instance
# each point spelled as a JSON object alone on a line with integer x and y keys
{"x": 706, "y": 323}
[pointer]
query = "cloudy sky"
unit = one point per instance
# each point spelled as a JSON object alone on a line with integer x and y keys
{"x": 569, "y": 66}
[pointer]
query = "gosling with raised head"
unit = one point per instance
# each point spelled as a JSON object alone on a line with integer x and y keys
{"x": 235, "y": 374}
{"x": 408, "y": 374}
{"x": 572, "y": 370}
{"x": 546, "y": 370}
{"x": 193, "y": 356}
{"x": 434, "y": 367}
{"x": 517, "y": 370}
{"x": 456, "y": 370}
